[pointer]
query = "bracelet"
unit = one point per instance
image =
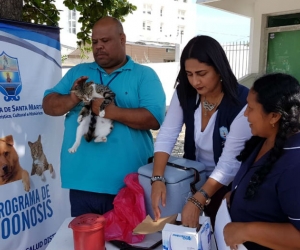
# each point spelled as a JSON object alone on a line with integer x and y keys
{"x": 196, "y": 203}
{"x": 206, "y": 196}
{"x": 157, "y": 178}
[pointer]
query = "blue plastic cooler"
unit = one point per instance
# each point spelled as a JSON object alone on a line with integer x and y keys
{"x": 177, "y": 183}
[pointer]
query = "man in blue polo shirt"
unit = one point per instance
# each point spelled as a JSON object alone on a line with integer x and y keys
{"x": 95, "y": 173}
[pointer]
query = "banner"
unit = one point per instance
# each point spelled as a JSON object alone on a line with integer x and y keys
{"x": 32, "y": 203}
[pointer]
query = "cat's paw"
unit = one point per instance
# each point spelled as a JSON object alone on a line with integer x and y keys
{"x": 72, "y": 150}
{"x": 79, "y": 119}
{"x": 52, "y": 171}
{"x": 39, "y": 170}
{"x": 53, "y": 175}
{"x": 43, "y": 177}
{"x": 101, "y": 139}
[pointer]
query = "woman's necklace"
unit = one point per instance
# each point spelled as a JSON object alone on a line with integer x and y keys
{"x": 210, "y": 106}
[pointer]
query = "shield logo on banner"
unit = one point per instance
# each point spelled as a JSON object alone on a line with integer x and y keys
{"x": 10, "y": 79}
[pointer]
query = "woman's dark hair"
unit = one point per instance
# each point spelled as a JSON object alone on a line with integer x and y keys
{"x": 206, "y": 50}
{"x": 279, "y": 93}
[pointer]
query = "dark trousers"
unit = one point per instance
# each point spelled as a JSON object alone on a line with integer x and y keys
{"x": 83, "y": 202}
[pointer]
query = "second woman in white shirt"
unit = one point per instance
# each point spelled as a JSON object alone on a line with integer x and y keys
{"x": 210, "y": 102}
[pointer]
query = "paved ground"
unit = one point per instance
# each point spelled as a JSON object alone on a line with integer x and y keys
{"x": 178, "y": 148}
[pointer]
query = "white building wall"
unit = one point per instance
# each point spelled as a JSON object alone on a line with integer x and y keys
{"x": 167, "y": 73}
{"x": 133, "y": 24}
{"x": 66, "y": 38}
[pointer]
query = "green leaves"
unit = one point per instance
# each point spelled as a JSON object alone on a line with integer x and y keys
{"x": 70, "y": 4}
{"x": 41, "y": 12}
{"x": 37, "y": 2}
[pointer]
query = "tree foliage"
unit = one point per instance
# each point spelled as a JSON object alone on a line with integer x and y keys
{"x": 45, "y": 12}
{"x": 40, "y": 12}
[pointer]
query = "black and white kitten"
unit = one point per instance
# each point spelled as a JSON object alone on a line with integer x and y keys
{"x": 92, "y": 126}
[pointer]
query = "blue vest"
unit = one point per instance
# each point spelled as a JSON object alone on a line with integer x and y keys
{"x": 227, "y": 111}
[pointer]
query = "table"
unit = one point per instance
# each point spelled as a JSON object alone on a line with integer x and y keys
{"x": 63, "y": 239}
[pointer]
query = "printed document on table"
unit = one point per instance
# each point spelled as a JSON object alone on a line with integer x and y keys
{"x": 223, "y": 218}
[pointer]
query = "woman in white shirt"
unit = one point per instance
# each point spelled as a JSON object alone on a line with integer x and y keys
{"x": 210, "y": 102}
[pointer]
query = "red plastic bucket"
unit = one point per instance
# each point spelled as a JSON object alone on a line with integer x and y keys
{"x": 88, "y": 232}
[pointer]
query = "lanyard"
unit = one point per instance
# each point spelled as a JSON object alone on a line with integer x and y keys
{"x": 116, "y": 74}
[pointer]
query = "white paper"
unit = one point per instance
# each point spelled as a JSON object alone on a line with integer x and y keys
{"x": 223, "y": 218}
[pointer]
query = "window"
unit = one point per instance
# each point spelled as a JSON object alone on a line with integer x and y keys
{"x": 180, "y": 30}
{"x": 170, "y": 50}
{"x": 161, "y": 27}
{"x": 161, "y": 11}
{"x": 72, "y": 21}
{"x": 146, "y": 25}
{"x": 284, "y": 20}
{"x": 181, "y": 14}
{"x": 185, "y": 1}
{"x": 147, "y": 9}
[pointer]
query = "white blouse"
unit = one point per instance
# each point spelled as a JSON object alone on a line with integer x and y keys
{"x": 227, "y": 165}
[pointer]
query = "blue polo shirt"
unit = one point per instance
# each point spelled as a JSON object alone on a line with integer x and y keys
{"x": 278, "y": 197}
{"x": 101, "y": 167}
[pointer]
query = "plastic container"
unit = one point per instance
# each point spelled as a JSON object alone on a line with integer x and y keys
{"x": 177, "y": 184}
{"x": 88, "y": 232}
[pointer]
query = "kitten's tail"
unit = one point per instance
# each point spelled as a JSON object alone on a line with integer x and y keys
{"x": 90, "y": 134}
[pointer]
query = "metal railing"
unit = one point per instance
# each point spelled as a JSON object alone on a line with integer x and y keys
{"x": 238, "y": 57}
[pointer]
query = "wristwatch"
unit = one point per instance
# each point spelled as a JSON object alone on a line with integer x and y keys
{"x": 208, "y": 199}
{"x": 102, "y": 113}
{"x": 157, "y": 178}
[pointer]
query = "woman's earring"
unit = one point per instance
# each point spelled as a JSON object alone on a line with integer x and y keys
{"x": 221, "y": 80}
{"x": 273, "y": 125}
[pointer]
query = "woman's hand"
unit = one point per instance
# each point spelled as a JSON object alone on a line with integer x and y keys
{"x": 190, "y": 215}
{"x": 234, "y": 234}
{"x": 158, "y": 194}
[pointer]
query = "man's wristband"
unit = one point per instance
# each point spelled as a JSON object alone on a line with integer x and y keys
{"x": 157, "y": 178}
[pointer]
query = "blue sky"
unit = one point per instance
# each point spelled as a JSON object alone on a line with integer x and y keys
{"x": 221, "y": 25}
